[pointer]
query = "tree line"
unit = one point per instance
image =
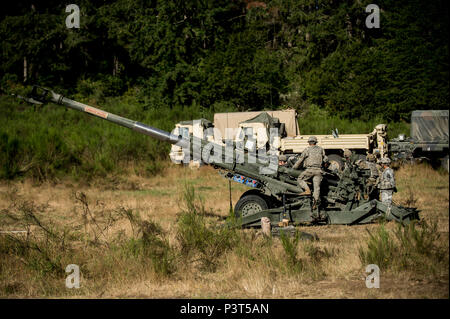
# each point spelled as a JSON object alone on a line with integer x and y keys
{"x": 223, "y": 55}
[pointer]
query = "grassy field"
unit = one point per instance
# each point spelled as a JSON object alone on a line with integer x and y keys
{"x": 156, "y": 238}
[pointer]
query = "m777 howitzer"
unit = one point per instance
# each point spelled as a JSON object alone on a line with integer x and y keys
{"x": 274, "y": 193}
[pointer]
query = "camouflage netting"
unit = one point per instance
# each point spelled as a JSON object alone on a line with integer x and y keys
{"x": 232, "y": 120}
{"x": 429, "y": 125}
{"x": 263, "y": 118}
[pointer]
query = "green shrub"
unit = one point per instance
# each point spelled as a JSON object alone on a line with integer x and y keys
{"x": 151, "y": 245}
{"x": 149, "y": 242}
{"x": 381, "y": 249}
{"x": 419, "y": 247}
{"x": 290, "y": 246}
{"x": 310, "y": 266}
{"x": 100, "y": 88}
{"x": 197, "y": 238}
{"x": 414, "y": 247}
{"x": 40, "y": 250}
{"x": 9, "y": 157}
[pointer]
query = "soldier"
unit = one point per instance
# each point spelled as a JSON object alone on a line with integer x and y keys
{"x": 282, "y": 160}
{"x": 378, "y": 162}
{"x": 313, "y": 156}
{"x": 370, "y": 163}
{"x": 348, "y": 156}
{"x": 387, "y": 182}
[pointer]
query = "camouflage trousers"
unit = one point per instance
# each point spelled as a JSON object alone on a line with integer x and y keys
{"x": 316, "y": 175}
{"x": 371, "y": 185}
{"x": 386, "y": 196}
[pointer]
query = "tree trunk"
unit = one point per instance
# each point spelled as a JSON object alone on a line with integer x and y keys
{"x": 115, "y": 65}
{"x": 25, "y": 70}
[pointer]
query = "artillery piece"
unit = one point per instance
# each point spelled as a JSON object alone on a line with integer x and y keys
{"x": 346, "y": 197}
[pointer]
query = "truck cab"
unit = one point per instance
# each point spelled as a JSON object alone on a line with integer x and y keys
{"x": 201, "y": 128}
{"x": 428, "y": 140}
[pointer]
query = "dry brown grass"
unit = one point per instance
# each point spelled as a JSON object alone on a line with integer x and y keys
{"x": 255, "y": 268}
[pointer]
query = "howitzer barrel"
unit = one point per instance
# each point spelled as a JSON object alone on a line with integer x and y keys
{"x": 236, "y": 161}
{"x": 43, "y": 95}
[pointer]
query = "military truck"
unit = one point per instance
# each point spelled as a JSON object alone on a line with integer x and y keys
{"x": 238, "y": 126}
{"x": 232, "y": 120}
{"x": 291, "y": 143}
{"x": 428, "y": 140}
{"x": 226, "y": 127}
{"x": 201, "y": 128}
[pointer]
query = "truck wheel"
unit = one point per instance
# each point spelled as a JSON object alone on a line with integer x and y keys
{"x": 336, "y": 162}
{"x": 249, "y": 204}
{"x": 445, "y": 163}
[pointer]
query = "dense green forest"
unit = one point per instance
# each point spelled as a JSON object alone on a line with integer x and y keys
{"x": 164, "y": 61}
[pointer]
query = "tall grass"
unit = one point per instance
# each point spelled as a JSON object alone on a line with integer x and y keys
{"x": 199, "y": 240}
{"x": 314, "y": 120}
{"x": 414, "y": 248}
{"x": 118, "y": 247}
{"x": 380, "y": 250}
{"x": 290, "y": 246}
{"x": 304, "y": 257}
{"x": 34, "y": 263}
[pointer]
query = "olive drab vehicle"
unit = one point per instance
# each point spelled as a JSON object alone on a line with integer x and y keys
{"x": 273, "y": 193}
{"x": 428, "y": 139}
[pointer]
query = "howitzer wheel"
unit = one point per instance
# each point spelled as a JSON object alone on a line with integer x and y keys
{"x": 336, "y": 162}
{"x": 249, "y": 205}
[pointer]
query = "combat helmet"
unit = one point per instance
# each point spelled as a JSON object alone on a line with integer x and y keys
{"x": 371, "y": 157}
{"x": 347, "y": 153}
{"x": 385, "y": 160}
{"x": 312, "y": 139}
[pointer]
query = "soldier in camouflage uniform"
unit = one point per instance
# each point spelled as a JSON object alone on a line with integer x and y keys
{"x": 387, "y": 182}
{"x": 349, "y": 158}
{"x": 313, "y": 156}
{"x": 370, "y": 163}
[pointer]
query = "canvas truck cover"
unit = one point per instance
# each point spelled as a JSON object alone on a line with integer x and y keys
{"x": 232, "y": 120}
{"x": 428, "y": 126}
{"x": 263, "y": 118}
